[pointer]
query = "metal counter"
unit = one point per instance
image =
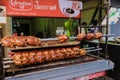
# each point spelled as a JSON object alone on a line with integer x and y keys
{"x": 66, "y": 72}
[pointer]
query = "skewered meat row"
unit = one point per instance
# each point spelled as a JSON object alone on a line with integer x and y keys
{"x": 89, "y": 36}
{"x": 23, "y": 41}
{"x": 20, "y": 41}
{"x": 32, "y": 57}
{"x": 81, "y": 36}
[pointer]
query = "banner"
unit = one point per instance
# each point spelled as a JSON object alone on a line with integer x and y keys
{"x": 2, "y": 14}
{"x": 114, "y": 14}
{"x": 43, "y": 8}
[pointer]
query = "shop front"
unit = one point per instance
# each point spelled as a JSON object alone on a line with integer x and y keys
{"x": 43, "y": 40}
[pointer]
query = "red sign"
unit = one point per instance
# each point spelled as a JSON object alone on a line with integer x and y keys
{"x": 43, "y": 8}
{"x": 91, "y": 76}
{"x": 95, "y": 75}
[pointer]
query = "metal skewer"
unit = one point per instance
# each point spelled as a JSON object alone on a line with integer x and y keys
{"x": 7, "y": 59}
{"x": 94, "y": 50}
{"x": 90, "y": 48}
{"x": 109, "y": 35}
{"x": 49, "y": 39}
{"x": 53, "y": 39}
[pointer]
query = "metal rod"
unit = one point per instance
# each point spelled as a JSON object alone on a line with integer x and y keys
{"x": 107, "y": 35}
{"x": 7, "y": 59}
{"x": 106, "y": 38}
{"x": 1, "y": 57}
{"x": 90, "y": 48}
{"x": 94, "y": 50}
{"x": 49, "y": 39}
{"x": 100, "y": 15}
{"x": 53, "y": 39}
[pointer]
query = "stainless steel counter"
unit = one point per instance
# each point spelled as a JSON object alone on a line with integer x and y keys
{"x": 66, "y": 72}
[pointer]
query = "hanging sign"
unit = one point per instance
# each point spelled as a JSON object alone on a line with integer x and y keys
{"x": 114, "y": 14}
{"x": 2, "y": 14}
{"x": 43, "y": 8}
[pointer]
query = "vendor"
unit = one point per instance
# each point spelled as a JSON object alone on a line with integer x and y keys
{"x": 15, "y": 32}
{"x": 94, "y": 28}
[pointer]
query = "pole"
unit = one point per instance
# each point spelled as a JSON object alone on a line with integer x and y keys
{"x": 1, "y": 57}
{"x": 100, "y": 15}
{"x": 106, "y": 38}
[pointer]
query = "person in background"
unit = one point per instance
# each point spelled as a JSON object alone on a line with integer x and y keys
{"x": 84, "y": 29}
{"x": 93, "y": 28}
{"x": 15, "y": 32}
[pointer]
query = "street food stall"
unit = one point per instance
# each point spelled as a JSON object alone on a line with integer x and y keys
{"x": 59, "y": 58}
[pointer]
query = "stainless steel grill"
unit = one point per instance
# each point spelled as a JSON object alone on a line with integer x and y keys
{"x": 51, "y": 65}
